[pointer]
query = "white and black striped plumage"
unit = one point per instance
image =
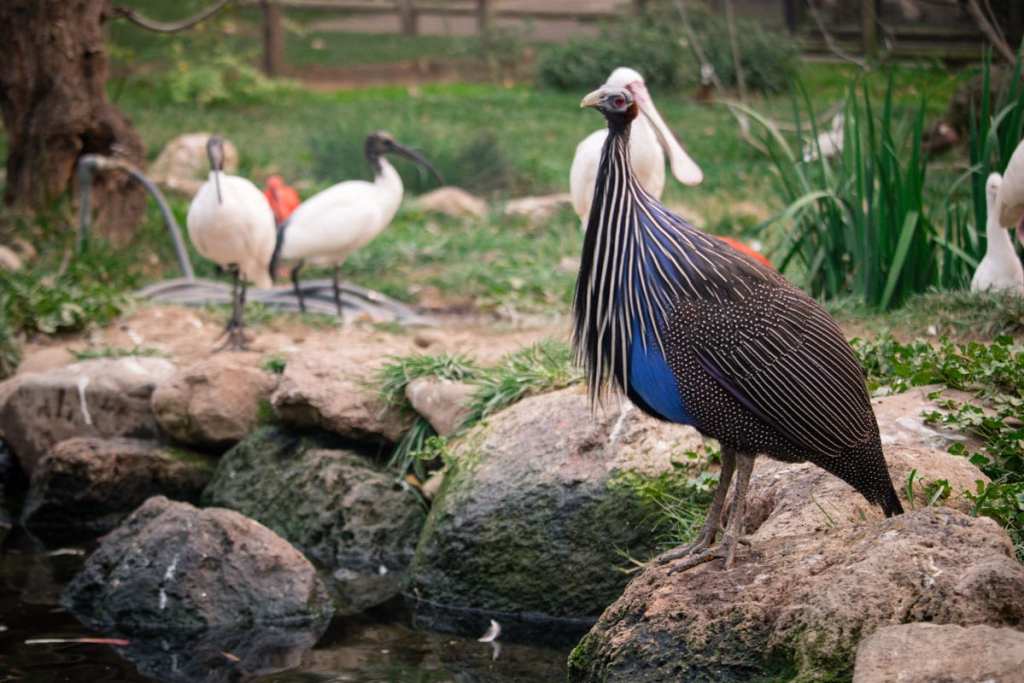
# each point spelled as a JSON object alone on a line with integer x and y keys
{"x": 698, "y": 333}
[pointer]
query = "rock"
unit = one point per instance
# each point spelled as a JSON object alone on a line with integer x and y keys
{"x": 333, "y": 505}
{"x": 334, "y": 392}
{"x": 86, "y": 486}
{"x": 9, "y": 260}
{"x": 182, "y": 165}
{"x": 215, "y": 402}
{"x": 530, "y": 518}
{"x": 795, "y": 610}
{"x": 103, "y": 397}
{"x": 928, "y": 653}
{"x": 900, "y": 419}
{"x": 173, "y": 567}
{"x": 538, "y": 208}
{"x": 442, "y": 402}
{"x": 786, "y": 499}
{"x": 452, "y": 201}
{"x": 50, "y": 358}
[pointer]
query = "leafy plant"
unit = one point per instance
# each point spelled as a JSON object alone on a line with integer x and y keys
{"x": 225, "y": 77}
{"x": 275, "y": 364}
{"x": 116, "y": 352}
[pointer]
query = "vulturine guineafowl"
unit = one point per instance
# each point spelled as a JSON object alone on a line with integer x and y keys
{"x": 694, "y": 332}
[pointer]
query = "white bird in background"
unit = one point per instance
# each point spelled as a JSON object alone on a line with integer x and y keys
{"x": 647, "y": 138}
{"x": 1010, "y": 199}
{"x": 830, "y": 142}
{"x": 1001, "y": 268}
{"x": 231, "y": 223}
{"x": 331, "y": 225}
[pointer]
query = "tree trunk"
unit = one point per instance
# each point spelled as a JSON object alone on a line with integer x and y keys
{"x": 54, "y": 103}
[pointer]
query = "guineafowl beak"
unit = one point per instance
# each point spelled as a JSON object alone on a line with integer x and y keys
{"x": 418, "y": 159}
{"x": 592, "y": 99}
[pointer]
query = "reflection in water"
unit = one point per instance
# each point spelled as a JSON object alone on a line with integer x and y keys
{"x": 370, "y": 648}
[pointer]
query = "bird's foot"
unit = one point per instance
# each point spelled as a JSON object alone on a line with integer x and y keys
{"x": 726, "y": 550}
{"x": 704, "y": 541}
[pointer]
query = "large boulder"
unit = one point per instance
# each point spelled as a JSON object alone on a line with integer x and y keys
{"x": 901, "y": 418}
{"x": 86, "y": 486}
{"x": 786, "y": 499}
{"x": 452, "y": 201}
{"x": 102, "y": 397}
{"x": 173, "y": 567}
{"x": 441, "y": 402}
{"x": 795, "y": 610}
{"x": 346, "y": 515}
{"x": 215, "y": 402}
{"x": 182, "y": 165}
{"x": 929, "y": 653}
{"x": 532, "y": 516}
{"x": 337, "y": 393}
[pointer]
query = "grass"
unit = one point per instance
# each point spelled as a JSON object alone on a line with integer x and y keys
{"x": 116, "y": 352}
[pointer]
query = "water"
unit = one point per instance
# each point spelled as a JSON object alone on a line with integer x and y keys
{"x": 377, "y": 646}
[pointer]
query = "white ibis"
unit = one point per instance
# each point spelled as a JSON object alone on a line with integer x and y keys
{"x": 830, "y": 141}
{"x": 334, "y": 223}
{"x": 1010, "y": 199}
{"x": 1001, "y": 268}
{"x": 231, "y": 223}
{"x": 648, "y": 137}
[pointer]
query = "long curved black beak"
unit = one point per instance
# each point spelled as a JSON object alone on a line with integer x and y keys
{"x": 215, "y": 153}
{"x": 419, "y": 159}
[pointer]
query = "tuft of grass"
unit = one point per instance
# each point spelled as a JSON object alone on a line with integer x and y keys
{"x": 275, "y": 364}
{"x": 116, "y": 352}
{"x": 545, "y": 366}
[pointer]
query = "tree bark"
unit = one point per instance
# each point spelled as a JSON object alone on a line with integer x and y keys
{"x": 55, "y": 109}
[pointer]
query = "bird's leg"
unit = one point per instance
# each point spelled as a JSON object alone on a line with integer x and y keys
{"x": 233, "y": 331}
{"x": 295, "y": 285}
{"x": 713, "y": 522}
{"x": 237, "y": 339}
{"x": 734, "y": 529}
{"x": 337, "y": 290}
{"x": 725, "y": 550}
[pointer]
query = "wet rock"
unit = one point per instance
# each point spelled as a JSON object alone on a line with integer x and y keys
{"x": 786, "y": 499}
{"x": 900, "y": 418}
{"x": 538, "y": 208}
{"x": 12, "y": 485}
{"x": 350, "y": 518}
{"x": 220, "y": 655}
{"x": 102, "y": 397}
{"x": 531, "y": 517}
{"x": 927, "y": 653}
{"x": 182, "y": 165}
{"x": 45, "y": 359}
{"x": 452, "y": 201}
{"x": 337, "y": 393}
{"x": 86, "y": 486}
{"x": 215, "y": 402}
{"x": 796, "y": 610}
{"x": 442, "y": 402}
{"x": 173, "y": 567}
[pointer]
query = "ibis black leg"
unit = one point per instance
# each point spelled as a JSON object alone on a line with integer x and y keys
{"x": 234, "y": 330}
{"x": 337, "y": 290}
{"x": 296, "y": 287}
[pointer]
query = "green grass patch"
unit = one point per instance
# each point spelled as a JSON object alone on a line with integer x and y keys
{"x": 116, "y": 352}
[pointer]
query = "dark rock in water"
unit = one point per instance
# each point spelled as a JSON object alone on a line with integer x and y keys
{"x": 173, "y": 567}
{"x": 927, "y": 653}
{"x": 220, "y": 655}
{"x": 12, "y": 485}
{"x": 795, "y": 608}
{"x": 85, "y": 486}
{"x": 103, "y": 397}
{"x": 350, "y": 518}
{"x": 532, "y": 518}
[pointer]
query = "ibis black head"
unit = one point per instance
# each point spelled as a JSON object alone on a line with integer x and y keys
{"x": 215, "y": 153}
{"x": 617, "y": 104}
{"x": 380, "y": 143}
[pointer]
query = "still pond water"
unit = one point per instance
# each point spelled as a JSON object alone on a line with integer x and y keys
{"x": 379, "y": 646}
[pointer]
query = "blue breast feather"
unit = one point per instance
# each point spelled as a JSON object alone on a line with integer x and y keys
{"x": 652, "y": 380}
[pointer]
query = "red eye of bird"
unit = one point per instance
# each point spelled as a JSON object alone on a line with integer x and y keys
{"x": 619, "y": 102}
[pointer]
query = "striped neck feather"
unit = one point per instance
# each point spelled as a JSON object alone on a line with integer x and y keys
{"x": 639, "y": 259}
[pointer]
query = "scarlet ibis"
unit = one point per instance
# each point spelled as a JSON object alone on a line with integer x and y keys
{"x": 334, "y": 223}
{"x": 695, "y": 333}
{"x": 231, "y": 223}
{"x": 649, "y": 136}
{"x": 283, "y": 198}
{"x": 1001, "y": 268}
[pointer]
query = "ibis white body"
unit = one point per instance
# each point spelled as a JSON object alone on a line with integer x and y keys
{"x": 1010, "y": 198}
{"x": 1001, "y": 269}
{"x": 239, "y": 230}
{"x": 332, "y": 224}
{"x": 649, "y": 140}
{"x": 830, "y": 142}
